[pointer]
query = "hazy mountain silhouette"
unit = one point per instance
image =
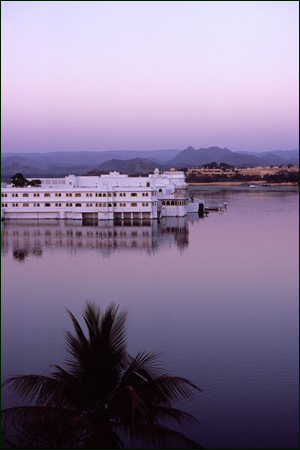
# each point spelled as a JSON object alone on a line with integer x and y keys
{"x": 60, "y": 164}
{"x": 191, "y": 157}
{"x": 63, "y": 163}
{"x": 131, "y": 167}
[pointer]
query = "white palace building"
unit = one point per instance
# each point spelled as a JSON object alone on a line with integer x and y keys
{"x": 104, "y": 197}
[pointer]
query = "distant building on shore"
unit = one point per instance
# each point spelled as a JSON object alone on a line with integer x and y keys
{"x": 220, "y": 169}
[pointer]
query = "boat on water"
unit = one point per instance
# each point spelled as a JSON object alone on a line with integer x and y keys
{"x": 252, "y": 186}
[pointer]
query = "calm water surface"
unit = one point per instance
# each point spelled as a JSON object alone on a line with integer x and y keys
{"x": 217, "y": 297}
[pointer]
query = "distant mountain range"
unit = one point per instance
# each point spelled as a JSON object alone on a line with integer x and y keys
{"x": 192, "y": 157}
{"x": 135, "y": 166}
{"x": 60, "y": 164}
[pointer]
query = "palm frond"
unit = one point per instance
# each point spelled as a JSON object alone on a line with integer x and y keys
{"x": 27, "y": 411}
{"x": 44, "y": 427}
{"x": 79, "y": 332}
{"x": 77, "y": 354}
{"x": 31, "y": 387}
{"x": 167, "y": 413}
{"x": 118, "y": 333}
{"x": 145, "y": 366}
{"x": 166, "y": 389}
{"x": 107, "y": 322}
{"x": 158, "y": 436}
{"x": 91, "y": 317}
{"x": 128, "y": 407}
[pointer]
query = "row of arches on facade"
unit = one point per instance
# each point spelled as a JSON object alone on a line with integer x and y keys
{"x": 78, "y": 205}
{"x": 173, "y": 202}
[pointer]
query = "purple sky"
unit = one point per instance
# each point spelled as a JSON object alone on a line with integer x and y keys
{"x": 145, "y": 75}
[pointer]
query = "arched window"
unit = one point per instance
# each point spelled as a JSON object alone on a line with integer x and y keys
{"x": 47, "y": 204}
{"x": 47, "y": 194}
{"x": 134, "y": 204}
{"x": 25, "y": 195}
{"x": 78, "y": 205}
{"x": 77, "y": 194}
{"x": 168, "y": 203}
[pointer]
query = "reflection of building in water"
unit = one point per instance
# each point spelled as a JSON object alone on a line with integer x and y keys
{"x": 31, "y": 239}
{"x": 172, "y": 229}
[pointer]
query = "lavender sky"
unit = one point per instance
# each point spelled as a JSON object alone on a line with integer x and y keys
{"x": 80, "y": 75}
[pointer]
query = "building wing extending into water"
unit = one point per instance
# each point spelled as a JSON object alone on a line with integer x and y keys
{"x": 105, "y": 197}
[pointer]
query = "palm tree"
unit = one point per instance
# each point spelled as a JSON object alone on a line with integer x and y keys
{"x": 101, "y": 395}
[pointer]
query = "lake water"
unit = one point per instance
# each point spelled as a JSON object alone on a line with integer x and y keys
{"x": 217, "y": 297}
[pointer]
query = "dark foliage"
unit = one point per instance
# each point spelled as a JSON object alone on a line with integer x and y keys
{"x": 101, "y": 395}
{"x": 35, "y": 183}
{"x": 18, "y": 180}
{"x": 283, "y": 176}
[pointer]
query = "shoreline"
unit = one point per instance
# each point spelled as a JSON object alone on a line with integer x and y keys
{"x": 243, "y": 184}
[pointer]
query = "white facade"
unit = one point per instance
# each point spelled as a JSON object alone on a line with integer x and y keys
{"x": 104, "y": 197}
